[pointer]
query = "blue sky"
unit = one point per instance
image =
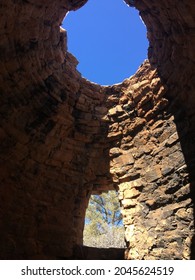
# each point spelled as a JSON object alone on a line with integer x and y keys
{"x": 109, "y": 40}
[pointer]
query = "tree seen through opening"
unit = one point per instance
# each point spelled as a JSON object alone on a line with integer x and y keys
{"x": 103, "y": 222}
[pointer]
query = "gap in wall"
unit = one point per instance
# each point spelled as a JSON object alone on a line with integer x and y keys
{"x": 103, "y": 222}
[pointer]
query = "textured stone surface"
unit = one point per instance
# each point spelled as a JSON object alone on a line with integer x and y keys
{"x": 62, "y": 137}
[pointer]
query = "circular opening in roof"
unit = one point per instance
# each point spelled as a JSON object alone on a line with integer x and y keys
{"x": 109, "y": 40}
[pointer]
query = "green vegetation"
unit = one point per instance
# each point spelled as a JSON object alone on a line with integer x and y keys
{"x": 103, "y": 222}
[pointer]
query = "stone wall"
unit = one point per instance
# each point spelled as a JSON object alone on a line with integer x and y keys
{"x": 63, "y": 137}
{"x": 148, "y": 165}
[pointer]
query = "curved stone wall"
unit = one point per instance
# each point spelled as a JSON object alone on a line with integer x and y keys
{"x": 63, "y": 137}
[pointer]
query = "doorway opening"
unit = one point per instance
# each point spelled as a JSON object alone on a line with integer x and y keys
{"x": 103, "y": 222}
{"x": 109, "y": 40}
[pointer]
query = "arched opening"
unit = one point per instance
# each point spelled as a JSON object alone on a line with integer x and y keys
{"x": 104, "y": 233}
{"x": 103, "y": 222}
{"x": 109, "y": 40}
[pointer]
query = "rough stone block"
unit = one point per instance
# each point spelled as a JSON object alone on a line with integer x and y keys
{"x": 154, "y": 174}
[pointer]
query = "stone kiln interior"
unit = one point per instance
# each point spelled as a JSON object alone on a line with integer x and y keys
{"x": 63, "y": 137}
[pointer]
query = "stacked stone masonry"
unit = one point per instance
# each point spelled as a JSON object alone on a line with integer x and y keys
{"x": 63, "y": 137}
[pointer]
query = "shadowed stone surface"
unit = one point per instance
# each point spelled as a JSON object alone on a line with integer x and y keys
{"x": 63, "y": 137}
